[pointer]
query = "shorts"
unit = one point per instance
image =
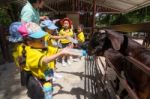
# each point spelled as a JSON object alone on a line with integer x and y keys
{"x": 24, "y": 76}
{"x": 35, "y": 90}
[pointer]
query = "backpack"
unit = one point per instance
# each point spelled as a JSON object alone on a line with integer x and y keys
{"x": 14, "y": 36}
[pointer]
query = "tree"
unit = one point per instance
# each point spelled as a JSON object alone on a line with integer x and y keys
{"x": 4, "y": 17}
{"x": 10, "y": 11}
{"x": 138, "y": 16}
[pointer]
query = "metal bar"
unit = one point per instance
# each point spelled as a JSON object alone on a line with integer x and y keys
{"x": 85, "y": 78}
{"x": 139, "y": 65}
{"x": 103, "y": 67}
{"x": 124, "y": 83}
{"x": 110, "y": 90}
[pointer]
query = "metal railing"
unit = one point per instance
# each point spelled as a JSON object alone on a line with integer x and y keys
{"x": 123, "y": 81}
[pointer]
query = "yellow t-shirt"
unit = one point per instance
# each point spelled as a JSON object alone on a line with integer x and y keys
{"x": 63, "y": 33}
{"x": 81, "y": 37}
{"x": 15, "y": 54}
{"x": 49, "y": 40}
{"x": 33, "y": 61}
{"x": 52, "y": 51}
{"x": 18, "y": 56}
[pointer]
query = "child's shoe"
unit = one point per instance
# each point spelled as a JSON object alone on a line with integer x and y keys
{"x": 69, "y": 62}
{"x": 64, "y": 63}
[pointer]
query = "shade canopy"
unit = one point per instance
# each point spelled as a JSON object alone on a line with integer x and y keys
{"x": 105, "y": 6}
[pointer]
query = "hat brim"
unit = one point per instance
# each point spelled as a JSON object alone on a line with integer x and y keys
{"x": 52, "y": 27}
{"x": 38, "y": 34}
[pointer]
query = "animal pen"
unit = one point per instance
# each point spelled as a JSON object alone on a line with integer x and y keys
{"x": 107, "y": 85}
{"x": 83, "y": 12}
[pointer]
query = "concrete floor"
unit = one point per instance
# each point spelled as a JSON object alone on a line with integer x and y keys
{"x": 71, "y": 86}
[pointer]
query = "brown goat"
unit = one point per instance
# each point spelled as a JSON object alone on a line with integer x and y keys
{"x": 120, "y": 64}
{"x": 101, "y": 42}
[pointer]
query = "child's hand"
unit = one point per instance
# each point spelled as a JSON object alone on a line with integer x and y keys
{"x": 65, "y": 51}
{"x": 44, "y": 18}
{"x": 66, "y": 36}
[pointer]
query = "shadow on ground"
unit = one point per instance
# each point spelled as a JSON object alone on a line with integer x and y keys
{"x": 10, "y": 87}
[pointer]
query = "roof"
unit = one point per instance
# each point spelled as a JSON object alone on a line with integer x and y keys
{"x": 118, "y": 6}
{"x": 124, "y": 6}
{"x": 121, "y": 6}
{"x": 75, "y": 6}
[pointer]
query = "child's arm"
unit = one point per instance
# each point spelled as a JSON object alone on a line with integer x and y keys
{"x": 58, "y": 37}
{"x": 47, "y": 59}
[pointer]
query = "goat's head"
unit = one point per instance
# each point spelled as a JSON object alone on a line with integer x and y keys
{"x": 100, "y": 42}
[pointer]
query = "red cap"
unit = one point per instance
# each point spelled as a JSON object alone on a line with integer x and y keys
{"x": 66, "y": 19}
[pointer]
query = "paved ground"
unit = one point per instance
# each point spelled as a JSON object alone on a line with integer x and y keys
{"x": 72, "y": 83}
{"x": 10, "y": 87}
{"x": 71, "y": 86}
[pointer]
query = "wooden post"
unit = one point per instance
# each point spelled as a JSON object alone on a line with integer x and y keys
{"x": 94, "y": 12}
{"x": 73, "y": 5}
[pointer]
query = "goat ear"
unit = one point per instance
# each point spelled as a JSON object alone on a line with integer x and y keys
{"x": 115, "y": 38}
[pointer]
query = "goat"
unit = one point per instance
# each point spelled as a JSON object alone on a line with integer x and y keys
{"x": 120, "y": 64}
{"x": 101, "y": 42}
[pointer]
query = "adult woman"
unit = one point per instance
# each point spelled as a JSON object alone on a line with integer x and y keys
{"x": 30, "y": 11}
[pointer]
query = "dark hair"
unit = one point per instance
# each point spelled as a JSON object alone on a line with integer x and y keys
{"x": 25, "y": 39}
{"x": 81, "y": 26}
{"x": 34, "y": 1}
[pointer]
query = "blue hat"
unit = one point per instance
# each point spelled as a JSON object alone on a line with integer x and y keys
{"x": 35, "y": 31}
{"x": 32, "y": 30}
{"x": 15, "y": 36}
{"x": 49, "y": 24}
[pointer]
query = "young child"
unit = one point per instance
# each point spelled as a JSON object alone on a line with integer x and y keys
{"x": 80, "y": 35}
{"x": 51, "y": 39}
{"x": 19, "y": 52}
{"x": 51, "y": 29}
{"x": 66, "y": 31}
{"x": 38, "y": 58}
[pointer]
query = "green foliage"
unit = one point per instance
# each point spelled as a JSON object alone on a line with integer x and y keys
{"x": 138, "y": 16}
{"x": 10, "y": 13}
{"x": 16, "y": 10}
{"x": 120, "y": 19}
{"x": 4, "y": 17}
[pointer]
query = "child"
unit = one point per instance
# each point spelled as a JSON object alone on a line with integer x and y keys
{"x": 80, "y": 35}
{"x": 19, "y": 52}
{"x": 50, "y": 39}
{"x": 66, "y": 31}
{"x": 38, "y": 58}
